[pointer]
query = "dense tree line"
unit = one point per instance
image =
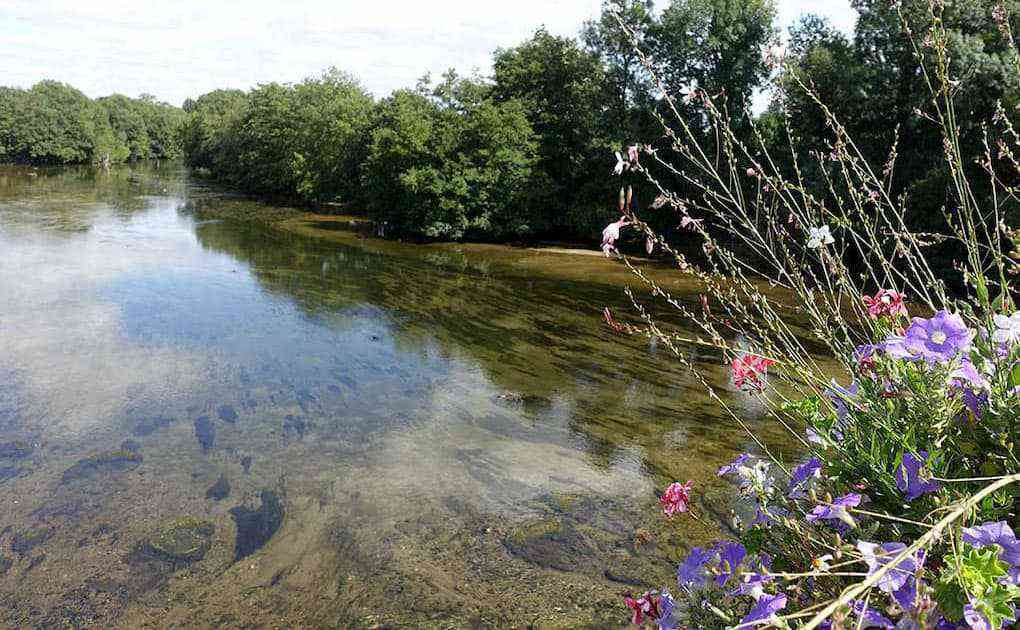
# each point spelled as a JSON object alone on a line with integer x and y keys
{"x": 53, "y": 123}
{"x": 526, "y": 152}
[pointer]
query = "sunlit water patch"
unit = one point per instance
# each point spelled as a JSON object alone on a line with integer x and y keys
{"x": 212, "y": 423}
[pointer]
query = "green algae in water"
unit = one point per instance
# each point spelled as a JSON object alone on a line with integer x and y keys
{"x": 185, "y": 539}
{"x": 110, "y": 461}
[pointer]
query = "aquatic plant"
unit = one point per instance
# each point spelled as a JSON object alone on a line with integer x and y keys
{"x": 902, "y": 508}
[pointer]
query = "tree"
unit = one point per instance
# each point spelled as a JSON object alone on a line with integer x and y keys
{"x": 627, "y": 79}
{"x": 714, "y": 45}
{"x": 204, "y": 135}
{"x": 563, "y": 91}
{"x": 449, "y": 162}
{"x": 333, "y": 113}
{"x": 128, "y": 123}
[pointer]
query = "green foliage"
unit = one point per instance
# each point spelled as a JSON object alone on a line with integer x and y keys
{"x": 715, "y": 45}
{"x": 976, "y": 576}
{"x": 299, "y": 140}
{"x": 871, "y": 84}
{"x": 450, "y": 163}
{"x": 562, "y": 89}
{"x": 53, "y": 123}
{"x": 205, "y": 133}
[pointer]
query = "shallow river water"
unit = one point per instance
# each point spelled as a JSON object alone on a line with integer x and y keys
{"x": 210, "y": 423}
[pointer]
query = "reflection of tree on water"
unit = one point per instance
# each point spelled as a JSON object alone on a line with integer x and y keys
{"x": 539, "y": 340}
{"x": 69, "y": 198}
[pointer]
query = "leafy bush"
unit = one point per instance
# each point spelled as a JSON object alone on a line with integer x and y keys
{"x": 450, "y": 163}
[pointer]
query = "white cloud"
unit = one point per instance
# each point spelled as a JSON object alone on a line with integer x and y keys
{"x": 184, "y": 48}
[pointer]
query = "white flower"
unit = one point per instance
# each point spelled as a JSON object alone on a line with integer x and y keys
{"x": 620, "y": 164}
{"x": 821, "y": 563}
{"x": 817, "y": 237}
{"x": 1007, "y": 329}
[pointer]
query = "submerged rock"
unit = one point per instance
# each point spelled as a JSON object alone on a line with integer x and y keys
{"x": 15, "y": 450}
{"x": 219, "y": 490}
{"x": 227, "y": 413}
{"x": 9, "y": 472}
{"x": 549, "y": 543}
{"x": 256, "y": 527}
{"x": 185, "y": 539}
{"x": 293, "y": 426}
{"x": 205, "y": 432}
{"x": 148, "y": 426}
{"x": 110, "y": 461}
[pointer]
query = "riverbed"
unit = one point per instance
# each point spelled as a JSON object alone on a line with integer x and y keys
{"x": 207, "y": 422}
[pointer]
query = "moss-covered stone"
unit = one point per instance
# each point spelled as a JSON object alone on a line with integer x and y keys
{"x": 184, "y": 539}
{"x": 550, "y": 543}
{"x": 109, "y": 461}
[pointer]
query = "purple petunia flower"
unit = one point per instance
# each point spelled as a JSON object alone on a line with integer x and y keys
{"x": 767, "y": 606}
{"x": 836, "y": 514}
{"x": 665, "y": 620}
{"x": 968, "y": 376}
{"x": 735, "y": 464}
{"x": 802, "y": 476}
{"x": 937, "y": 340}
{"x": 909, "y": 478}
{"x": 870, "y": 617}
{"x": 976, "y": 620}
{"x": 692, "y": 574}
{"x": 731, "y": 554}
{"x": 753, "y": 583}
{"x": 1000, "y": 534}
{"x": 877, "y": 556}
{"x": 842, "y": 397}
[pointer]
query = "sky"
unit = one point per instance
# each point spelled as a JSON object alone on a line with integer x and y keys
{"x": 180, "y": 49}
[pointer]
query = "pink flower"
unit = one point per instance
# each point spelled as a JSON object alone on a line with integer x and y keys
{"x": 611, "y": 234}
{"x": 751, "y": 172}
{"x": 885, "y": 303}
{"x": 690, "y": 223}
{"x": 748, "y": 371}
{"x": 647, "y": 604}
{"x": 611, "y": 321}
{"x": 632, "y": 155}
{"x": 676, "y": 498}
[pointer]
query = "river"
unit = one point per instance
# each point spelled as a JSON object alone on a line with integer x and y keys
{"x": 213, "y": 423}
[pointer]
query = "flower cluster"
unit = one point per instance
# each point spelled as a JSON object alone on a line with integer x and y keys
{"x": 897, "y": 431}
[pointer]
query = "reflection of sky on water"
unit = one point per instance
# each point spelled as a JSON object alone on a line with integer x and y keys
{"x": 392, "y": 393}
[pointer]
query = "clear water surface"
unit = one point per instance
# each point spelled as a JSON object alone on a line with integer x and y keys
{"x": 212, "y": 423}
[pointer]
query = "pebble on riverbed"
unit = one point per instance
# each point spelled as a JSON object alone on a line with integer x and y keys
{"x": 205, "y": 432}
{"x": 219, "y": 490}
{"x": 227, "y": 413}
{"x": 110, "y": 461}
